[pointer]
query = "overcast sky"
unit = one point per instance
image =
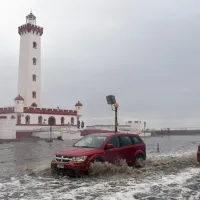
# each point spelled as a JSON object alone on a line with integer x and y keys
{"x": 147, "y": 53}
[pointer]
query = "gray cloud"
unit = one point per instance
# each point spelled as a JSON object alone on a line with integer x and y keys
{"x": 144, "y": 52}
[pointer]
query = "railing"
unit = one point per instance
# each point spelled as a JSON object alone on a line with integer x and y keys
{"x": 181, "y": 129}
{"x": 49, "y": 111}
{"x": 6, "y": 110}
{"x": 61, "y": 129}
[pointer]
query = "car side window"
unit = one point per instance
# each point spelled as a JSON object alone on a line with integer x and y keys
{"x": 136, "y": 140}
{"x": 125, "y": 141}
{"x": 114, "y": 141}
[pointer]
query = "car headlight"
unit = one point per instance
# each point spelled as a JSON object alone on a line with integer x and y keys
{"x": 79, "y": 159}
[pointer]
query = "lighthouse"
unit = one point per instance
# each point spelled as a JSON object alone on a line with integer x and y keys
{"x": 27, "y": 118}
{"x": 29, "y": 74}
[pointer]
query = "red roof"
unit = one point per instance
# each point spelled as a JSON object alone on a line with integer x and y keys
{"x": 19, "y": 98}
{"x": 78, "y": 104}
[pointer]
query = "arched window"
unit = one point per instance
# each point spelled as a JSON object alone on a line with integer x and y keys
{"x": 34, "y": 77}
{"x": 52, "y": 121}
{"x": 33, "y": 105}
{"x": 40, "y": 120}
{"x": 34, "y": 45}
{"x": 34, "y": 95}
{"x": 34, "y": 61}
{"x": 62, "y": 120}
{"x": 72, "y": 120}
{"x": 27, "y": 118}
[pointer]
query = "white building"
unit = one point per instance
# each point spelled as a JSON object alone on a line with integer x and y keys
{"x": 135, "y": 126}
{"x": 27, "y": 114}
{"x": 130, "y": 126}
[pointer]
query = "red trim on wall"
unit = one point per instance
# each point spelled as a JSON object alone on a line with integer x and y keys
{"x": 45, "y": 125}
{"x": 49, "y": 111}
{"x": 3, "y": 117}
{"x": 30, "y": 27}
{"x": 23, "y": 134}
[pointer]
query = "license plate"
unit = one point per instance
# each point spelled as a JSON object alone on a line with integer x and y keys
{"x": 60, "y": 166}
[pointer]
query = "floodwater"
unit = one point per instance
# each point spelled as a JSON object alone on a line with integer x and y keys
{"x": 171, "y": 174}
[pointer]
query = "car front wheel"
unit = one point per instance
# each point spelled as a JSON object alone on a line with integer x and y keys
{"x": 92, "y": 170}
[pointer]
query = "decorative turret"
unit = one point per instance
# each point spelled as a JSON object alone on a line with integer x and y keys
{"x": 78, "y": 107}
{"x": 19, "y": 104}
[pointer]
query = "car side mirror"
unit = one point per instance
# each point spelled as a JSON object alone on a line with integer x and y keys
{"x": 109, "y": 146}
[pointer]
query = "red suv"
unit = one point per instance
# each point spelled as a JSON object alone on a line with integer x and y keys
{"x": 103, "y": 147}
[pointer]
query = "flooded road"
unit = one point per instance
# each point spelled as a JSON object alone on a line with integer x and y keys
{"x": 173, "y": 173}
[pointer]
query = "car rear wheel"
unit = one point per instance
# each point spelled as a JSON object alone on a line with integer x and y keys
{"x": 140, "y": 161}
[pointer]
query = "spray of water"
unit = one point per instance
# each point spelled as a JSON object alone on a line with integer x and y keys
{"x": 163, "y": 164}
{"x": 151, "y": 167}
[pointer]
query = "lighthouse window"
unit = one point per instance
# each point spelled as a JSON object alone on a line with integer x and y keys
{"x": 34, "y": 61}
{"x": 34, "y": 77}
{"x": 34, "y": 94}
{"x": 34, "y": 45}
{"x": 33, "y": 105}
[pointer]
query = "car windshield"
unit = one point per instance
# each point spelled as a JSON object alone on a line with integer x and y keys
{"x": 91, "y": 141}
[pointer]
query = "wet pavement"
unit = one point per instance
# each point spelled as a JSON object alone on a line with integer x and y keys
{"x": 172, "y": 173}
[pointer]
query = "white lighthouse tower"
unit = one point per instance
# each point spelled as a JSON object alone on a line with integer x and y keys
{"x": 26, "y": 118}
{"x": 29, "y": 77}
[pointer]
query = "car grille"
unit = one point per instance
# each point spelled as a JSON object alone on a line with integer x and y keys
{"x": 64, "y": 158}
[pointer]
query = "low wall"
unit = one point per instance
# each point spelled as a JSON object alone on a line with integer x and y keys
{"x": 46, "y": 135}
{"x": 20, "y": 135}
{"x": 93, "y": 131}
{"x": 7, "y": 129}
{"x": 55, "y": 134}
{"x": 177, "y": 132}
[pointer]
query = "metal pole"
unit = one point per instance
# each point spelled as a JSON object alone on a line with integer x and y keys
{"x": 116, "y": 119}
{"x": 50, "y": 132}
{"x": 158, "y": 148}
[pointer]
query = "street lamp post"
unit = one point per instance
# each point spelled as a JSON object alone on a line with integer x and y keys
{"x": 116, "y": 105}
{"x": 112, "y": 101}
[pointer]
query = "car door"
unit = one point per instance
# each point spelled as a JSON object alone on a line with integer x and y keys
{"x": 126, "y": 148}
{"x": 112, "y": 155}
{"x": 137, "y": 145}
